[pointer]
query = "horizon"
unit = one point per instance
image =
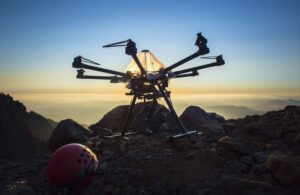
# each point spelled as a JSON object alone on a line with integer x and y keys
{"x": 88, "y": 108}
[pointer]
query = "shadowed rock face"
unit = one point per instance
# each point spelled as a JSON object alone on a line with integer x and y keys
{"x": 194, "y": 117}
{"x": 21, "y": 131}
{"x": 115, "y": 119}
{"x": 67, "y": 131}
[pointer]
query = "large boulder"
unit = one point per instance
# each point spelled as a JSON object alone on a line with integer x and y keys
{"x": 284, "y": 167}
{"x": 144, "y": 118}
{"x": 67, "y": 131}
{"x": 196, "y": 118}
{"x": 113, "y": 120}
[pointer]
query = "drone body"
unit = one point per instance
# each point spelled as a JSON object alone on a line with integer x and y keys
{"x": 146, "y": 77}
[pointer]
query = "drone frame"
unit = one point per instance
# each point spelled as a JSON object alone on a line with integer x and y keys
{"x": 158, "y": 84}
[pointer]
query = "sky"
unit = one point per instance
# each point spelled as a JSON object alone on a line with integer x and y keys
{"x": 259, "y": 41}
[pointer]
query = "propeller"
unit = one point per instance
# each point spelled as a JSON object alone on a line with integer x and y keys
{"x": 117, "y": 44}
{"x": 88, "y": 61}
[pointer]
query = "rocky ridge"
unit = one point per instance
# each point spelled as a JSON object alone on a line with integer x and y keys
{"x": 253, "y": 155}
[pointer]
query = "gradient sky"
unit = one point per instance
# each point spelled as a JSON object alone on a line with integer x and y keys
{"x": 260, "y": 42}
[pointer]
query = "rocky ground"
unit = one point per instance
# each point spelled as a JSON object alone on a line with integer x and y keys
{"x": 253, "y": 155}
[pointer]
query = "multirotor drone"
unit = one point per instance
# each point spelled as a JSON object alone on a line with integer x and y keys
{"x": 146, "y": 77}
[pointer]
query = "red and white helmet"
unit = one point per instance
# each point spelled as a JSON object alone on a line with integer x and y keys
{"x": 72, "y": 167}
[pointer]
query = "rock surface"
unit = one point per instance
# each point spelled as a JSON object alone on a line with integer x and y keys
{"x": 67, "y": 131}
{"x": 139, "y": 120}
{"x": 242, "y": 156}
{"x": 285, "y": 168}
{"x": 194, "y": 117}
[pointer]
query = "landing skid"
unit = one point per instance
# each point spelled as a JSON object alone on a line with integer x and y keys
{"x": 119, "y": 134}
{"x": 172, "y": 138}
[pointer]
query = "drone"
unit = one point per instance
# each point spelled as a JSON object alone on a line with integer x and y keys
{"x": 147, "y": 78}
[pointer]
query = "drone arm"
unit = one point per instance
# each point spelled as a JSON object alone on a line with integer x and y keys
{"x": 185, "y": 60}
{"x": 194, "y": 73}
{"x": 219, "y": 62}
{"x": 113, "y": 79}
{"x": 202, "y": 50}
{"x": 77, "y": 63}
{"x": 137, "y": 61}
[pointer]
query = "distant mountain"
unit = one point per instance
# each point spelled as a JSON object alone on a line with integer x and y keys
{"x": 40, "y": 126}
{"x": 277, "y": 104}
{"x": 21, "y": 132}
{"x": 231, "y": 112}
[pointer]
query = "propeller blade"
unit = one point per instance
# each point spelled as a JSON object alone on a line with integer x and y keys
{"x": 117, "y": 44}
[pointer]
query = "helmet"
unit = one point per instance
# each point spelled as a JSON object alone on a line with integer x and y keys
{"x": 72, "y": 167}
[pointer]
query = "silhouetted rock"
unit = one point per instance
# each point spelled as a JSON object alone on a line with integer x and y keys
{"x": 113, "y": 120}
{"x": 272, "y": 125}
{"x": 284, "y": 167}
{"x": 40, "y": 126}
{"x": 238, "y": 160}
{"x": 17, "y": 141}
{"x": 144, "y": 118}
{"x": 196, "y": 118}
{"x": 67, "y": 131}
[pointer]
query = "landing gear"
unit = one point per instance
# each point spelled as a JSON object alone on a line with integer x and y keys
{"x": 166, "y": 95}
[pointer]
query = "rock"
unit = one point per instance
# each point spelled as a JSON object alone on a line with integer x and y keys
{"x": 208, "y": 157}
{"x": 94, "y": 143}
{"x": 1, "y": 169}
{"x": 40, "y": 126}
{"x": 284, "y": 167}
{"x": 232, "y": 185}
{"x": 113, "y": 120}
{"x": 204, "y": 191}
{"x": 261, "y": 157}
{"x": 272, "y": 125}
{"x": 217, "y": 117}
{"x": 67, "y": 131}
{"x": 231, "y": 144}
{"x": 259, "y": 169}
{"x": 167, "y": 126}
{"x": 297, "y": 139}
{"x": 247, "y": 160}
{"x": 294, "y": 151}
{"x": 17, "y": 141}
{"x": 182, "y": 144}
{"x": 235, "y": 168}
{"x": 25, "y": 190}
{"x": 144, "y": 118}
{"x": 150, "y": 118}
{"x": 17, "y": 189}
{"x": 194, "y": 117}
